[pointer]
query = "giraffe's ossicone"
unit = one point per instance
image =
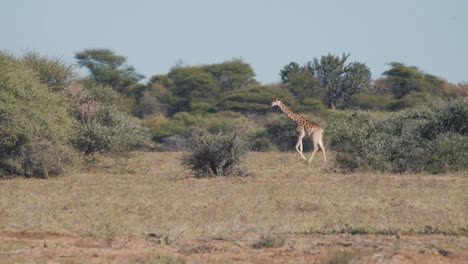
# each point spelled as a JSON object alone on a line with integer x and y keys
{"x": 304, "y": 127}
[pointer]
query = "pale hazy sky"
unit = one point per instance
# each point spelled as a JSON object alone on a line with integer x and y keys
{"x": 155, "y": 35}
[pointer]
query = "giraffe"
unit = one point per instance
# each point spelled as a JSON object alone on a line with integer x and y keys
{"x": 304, "y": 127}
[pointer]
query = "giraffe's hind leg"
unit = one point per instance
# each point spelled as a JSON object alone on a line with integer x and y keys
{"x": 318, "y": 143}
{"x": 323, "y": 149}
{"x": 315, "y": 143}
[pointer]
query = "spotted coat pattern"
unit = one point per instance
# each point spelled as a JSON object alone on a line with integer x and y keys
{"x": 304, "y": 127}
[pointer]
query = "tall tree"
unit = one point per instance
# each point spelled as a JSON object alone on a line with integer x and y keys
{"x": 357, "y": 79}
{"x": 300, "y": 81}
{"x": 108, "y": 68}
{"x": 339, "y": 79}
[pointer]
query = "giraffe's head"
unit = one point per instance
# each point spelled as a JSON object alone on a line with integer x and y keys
{"x": 276, "y": 101}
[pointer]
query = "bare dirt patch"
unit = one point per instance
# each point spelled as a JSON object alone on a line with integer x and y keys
{"x": 22, "y": 247}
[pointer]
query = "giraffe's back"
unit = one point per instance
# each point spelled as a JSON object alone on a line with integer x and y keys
{"x": 309, "y": 127}
{"x": 312, "y": 128}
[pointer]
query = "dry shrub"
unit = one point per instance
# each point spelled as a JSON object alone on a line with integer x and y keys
{"x": 269, "y": 241}
{"x": 215, "y": 155}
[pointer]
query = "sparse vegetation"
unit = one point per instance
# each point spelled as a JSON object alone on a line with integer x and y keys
{"x": 219, "y": 220}
{"x": 342, "y": 257}
{"x": 269, "y": 241}
{"x": 164, "y": 259}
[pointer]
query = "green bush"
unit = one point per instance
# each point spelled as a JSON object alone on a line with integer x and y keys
{"x": 111, "y": 131}
{"x": 35, "y": 125}
{"x": 368, "y": 102}
{"x": 313, "y": 105}
{"x": 214, "y": 155}
{"x": 103, "y": 124}
{"x": 253, "y": 100}
{"x": 408, "y": 101}
{"x": 182, "y": 124}
{"x": 431, "y": 138}
{"x": 281, "y": 132}
{"x": 452, "y": 153}
{"x": 50, "y": 71}
{"x": 258, "y": 140}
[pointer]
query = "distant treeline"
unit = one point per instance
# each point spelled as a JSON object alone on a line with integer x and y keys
{"x": 50, "y": 116}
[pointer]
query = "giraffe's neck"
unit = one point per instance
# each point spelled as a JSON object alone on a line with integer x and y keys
{"x": 288, "y": 112}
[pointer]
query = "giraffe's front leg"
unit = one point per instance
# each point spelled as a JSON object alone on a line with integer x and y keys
{"x": 299, "y": 146}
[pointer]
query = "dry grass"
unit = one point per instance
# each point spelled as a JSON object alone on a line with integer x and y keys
{"x": 150, "y": 192}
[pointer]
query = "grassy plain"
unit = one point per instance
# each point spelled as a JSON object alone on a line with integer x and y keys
{"x": 146, "y": 208}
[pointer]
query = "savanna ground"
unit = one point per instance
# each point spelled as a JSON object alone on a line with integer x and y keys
{"x": 145, "y": 208}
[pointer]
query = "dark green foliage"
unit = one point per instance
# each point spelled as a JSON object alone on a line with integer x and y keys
{"x": 169, "y": 129}
{"x": 431, "y": 138}
{"x": 300, "y": 81}
{"x": 356, "y": 79}
{"x": 451, "y": 150}
{"x": 232, "y": 74}
{"x": 402, "y": 80}
{"x": 292, "y": 67}
{"x": 108, "y": 68}
{"x": 259, "y": 140}
{"x": 193, "y": 88}
{"x": 313, "y": 105}
{"x": 214, "y": 155}
{"x": 329, "y": 79}
{"x": 365, "y": 101}
{"x": 408, "y": 101}
{"x": 35, "y": 125}
{"x": 252, "y": 100}
{"x": 192, "y": 84}
{"x": 281, "y": 132}
{"x": 339, "y": 80}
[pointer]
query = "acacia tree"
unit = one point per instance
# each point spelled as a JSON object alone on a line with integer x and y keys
{"x": 108, "y": 68}
{"x": 340, "y": 80}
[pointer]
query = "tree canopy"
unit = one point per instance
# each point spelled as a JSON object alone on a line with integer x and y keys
{"x": 403, "y": 80}
{"x": 108, "y": 68}
{"x": 329, "y": 79}
{"x": 339, "y": 79}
